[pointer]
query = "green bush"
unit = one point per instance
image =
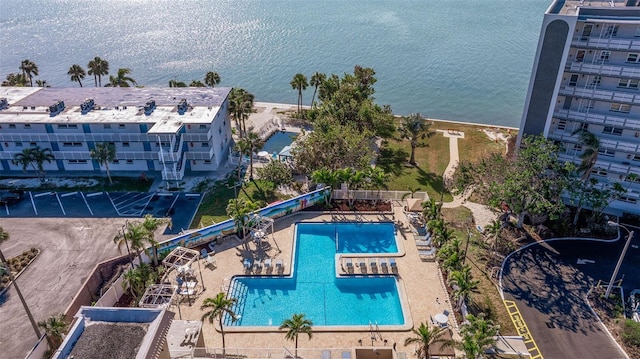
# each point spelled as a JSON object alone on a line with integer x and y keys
{"x": 631, "y": 333}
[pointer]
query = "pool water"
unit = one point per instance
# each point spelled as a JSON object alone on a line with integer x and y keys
{"x": 278, "y": 141}
{"x": 314, "y": 289}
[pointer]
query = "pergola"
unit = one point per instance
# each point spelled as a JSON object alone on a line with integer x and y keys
{"x": 180, "y": 259}
{"x": 259, "y": 227}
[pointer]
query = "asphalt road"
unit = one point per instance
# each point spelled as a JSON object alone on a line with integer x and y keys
{"x": 549, "y": 287}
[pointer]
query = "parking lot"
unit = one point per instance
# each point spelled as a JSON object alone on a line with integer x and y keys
{"x": 180, "y": 207}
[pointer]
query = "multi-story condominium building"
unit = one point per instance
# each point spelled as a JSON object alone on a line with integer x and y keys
{"x": 165, "y": 130}
{"x": 586, "y": 75}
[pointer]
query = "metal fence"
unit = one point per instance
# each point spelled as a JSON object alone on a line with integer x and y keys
{"x": 259, "y": 353}
{"x": 377, "y": 195}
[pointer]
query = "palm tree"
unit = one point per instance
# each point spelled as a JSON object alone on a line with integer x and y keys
{"x": 588, "y": 158}
{"x": 54, "y": 327}
{"x": 135, "y": 238}
{"x": 122, "y": 80}
{"x": 216, "y": 308}
{"x": 376, "y": 179}
{"x": 29, "y": 69}
{"x": 176, "y": 83}
{"x": 238, "y": 209}
{"x": 242, "y": 147}
{"x": 211, "y": 79}
{"x": 299, "y": 83}
{"x": 3, "y": 235}
{"x": 316, "y": 80}
{"x": 17, "y": 80}
{"x": 134, "y": 282}
{"x": 328, "y": 178}
{"x": 196, "y": 83}
{"x": 451, "y": 255}
{"x": 425, "y": 338}
{"x": 463, "y": 284}
{"x": 77, "y": 73}
{"x": 24, "y": 159}
{"x": 42, "y": 83}
{"x": 104, "y": 153}
{"x": 151, "y": 224}
{"x": 478, "y": 334}
{"x": 98, "y": 68}
{"x": 295, "y": 325}
{"x": 414, "y": 128}
{"x": 240, "y": 106}
{"x": 252, "y": 143}
{"x": 40, "y": 156}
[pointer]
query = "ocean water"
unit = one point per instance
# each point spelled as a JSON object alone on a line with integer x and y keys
{"x": 466, "y": 60}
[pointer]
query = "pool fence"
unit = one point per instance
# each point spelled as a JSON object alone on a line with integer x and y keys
{"x": 378, "y": 195}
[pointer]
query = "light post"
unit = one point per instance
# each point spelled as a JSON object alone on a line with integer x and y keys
{"x": 624, "y": 251}
{"x": 3, "y": 261}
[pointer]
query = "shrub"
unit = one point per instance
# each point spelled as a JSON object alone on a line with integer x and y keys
{"x": 631, "y": 333}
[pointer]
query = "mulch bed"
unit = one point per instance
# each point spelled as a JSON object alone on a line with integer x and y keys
{"x": 358, "y": 206}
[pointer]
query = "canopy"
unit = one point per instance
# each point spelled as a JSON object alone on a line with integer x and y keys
{"x": 414, "y": 204}
{"x": 263, "y": 154}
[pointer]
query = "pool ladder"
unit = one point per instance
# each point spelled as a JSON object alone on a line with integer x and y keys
{"x": 374, "y": 329}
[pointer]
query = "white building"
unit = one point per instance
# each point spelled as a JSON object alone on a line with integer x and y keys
{"x": 165, "y": 130}
{"x": 586, "y": 74}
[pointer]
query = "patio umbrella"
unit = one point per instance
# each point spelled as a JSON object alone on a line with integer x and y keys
{"x": 414, "y": 204}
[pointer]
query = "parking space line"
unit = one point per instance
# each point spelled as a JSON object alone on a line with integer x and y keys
{"x": 113, "y": 204}
{"x": 43, "y": 194}
{"x": 126, "y": 207}
{"x": 145, "y": 205}
{"x": 60, "y": 203}
{"x": 523, "y": 330}
{"x": 117, "y": 199}
{"x": 172, "y": 204}
{"x": 87, "y": 203}
{"x": 94, "y": 194}
{"x": 6, "y": 207}
{"x": 33, "y": 203}
{"x": 68, "y": 194}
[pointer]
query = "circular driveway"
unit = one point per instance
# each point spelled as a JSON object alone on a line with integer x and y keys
{"x": 549, "y": 287}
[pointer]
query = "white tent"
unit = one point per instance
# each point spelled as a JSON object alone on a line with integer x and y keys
{"x": 414, "y": 204}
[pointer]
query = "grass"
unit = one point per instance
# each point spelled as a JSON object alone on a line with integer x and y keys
{"x": 432, "y": 158}
{"x": 120, "y": 184}
{"x": 488, "y": 299}
{"x": 213, "y": 208}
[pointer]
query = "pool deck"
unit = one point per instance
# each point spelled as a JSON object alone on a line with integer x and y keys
{"x": 420, "y": 281}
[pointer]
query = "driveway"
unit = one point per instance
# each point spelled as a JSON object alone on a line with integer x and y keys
{"x": 549, "y": 286}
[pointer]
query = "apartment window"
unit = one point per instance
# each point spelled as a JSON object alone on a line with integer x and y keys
{"x": 18, "y": 144}
{"x": 580, "y": 56}
{"x": 577, "y": 148}
{"x": 612, "y": 130}
{"x": 129, "y": 162}
{"x": 122, "y": 126}
{"x": 115, "y": 162}
{"x": 107, "y": 126}
{"x": 75, "y": 162}
{"x": 636, "y": 158}
{"x": 628, "y": 83}
{"x": 562, "y": 124}
{"x": 584, "y": 126}
{"x": 67, "y": 126}
{"x": 600, "y": 171}
{"x": 595, "y": 82}
{"x": 604, "y": 55}
{"x": 611, "y": 31}
{"x": 606, "y": 152}
{"x": 125, "y": 144}
{"x": 203, "y": 127}
{"x": 627, "y": 199}
{"x": 633, "y": 57}
{"x": 27, "y": 126}
{"x": 224, "y": 123}
{"x": 12, "y": 126}
{"x": 204, "y": 144}
{"x": 33, "y": 144}
{"x": 71, "y": 144}
{"x": 206, "y": 162}
{"x": 620, "y": 107}
{"x": 573, "y": 80}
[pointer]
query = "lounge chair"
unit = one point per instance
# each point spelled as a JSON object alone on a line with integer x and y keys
{"x": 421, "y": 231}
{"x": 267, "y": 264}
{"x": 326, "y": 354}
{"x": 257, "y": 266}
{"x": 211, "y": 260}
{"x": 363, "y": 265}
{"x": 383, "y": 265}
{"x": 373, "y": 263}
{"x": 427, "y": 255}
{"x": 425, "y": 237}
{"x": 349, "y": 264}
{"x": 423, "y": 244}
{"x": 247, "y": 263}
{"x": 203, "y": 253}
{"x": 392, "y": 264}
{"x": 280, "y": 265}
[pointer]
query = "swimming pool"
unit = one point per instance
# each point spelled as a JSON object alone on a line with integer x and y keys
{"x": 278, "y": 141}
{"x": 314, "y": 289}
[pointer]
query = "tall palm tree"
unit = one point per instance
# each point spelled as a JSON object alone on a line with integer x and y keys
{"x": 54, "y": 327}
{"x": 327, "y": 177}
{"x": 240, "y": 106}
{"x": 376, "y": 179}
{"x": 40, "y": 156}
{"x": 242, "y": 147}
{"x": 425, "y": 337}
{"x": 299, "y": 83}
{"x": 135, "y": 237}
{"x": 252, "y": 143}
{"x": 151, "y": 224}
{"x": 463, "y": 284}
{"x": 211, "y": 79}
{"x": 238, "y": 209}
{"x": 216, "y": 308}
{"x": 196, "y": 83}
{"x": 29, "y": 69}
{"x": 134, "y": 282}
{"x": 24, "y": 159}
{"x": 16, "y": 80}
{"x": 414, "y": 128}
{"x": 478, "y": 334}
{"x": 296, "y": 325}
{"x": 589, "y": 155}
{"x": 77, "y": 73}
{"x": 3, "y": 235}
{"x": 98, "y": 68}
{"x": 104, "y": 153}
{"x": 122, "y": 79}
{"x": 42, "y": 83}
{"x": 316, "y": 80}
{"x": 176, "y": 83}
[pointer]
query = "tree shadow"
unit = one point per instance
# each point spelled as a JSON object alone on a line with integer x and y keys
{"x": 430, "y": 179}
{"x": 392, "y": 160}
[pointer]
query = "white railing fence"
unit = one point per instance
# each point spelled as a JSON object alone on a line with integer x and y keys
{"x": 377, "y": 195}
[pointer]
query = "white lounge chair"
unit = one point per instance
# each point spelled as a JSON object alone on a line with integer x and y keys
{"x": 373, "y": 263}
{"x": 423, "y": 244}
{"x": 349, "y": 264}
{"x": 427, "y": 255}
{"x": 257, "y": 266}
{"x": 383, "y": 265}
{"x": 247, "y": 263}
{"x": 393, "y": 265}
{"x": 211, "y": 260}
{"x": 280, "y": 265}
{"x": 363, "y": 265}
{"x": 267, "y": 263}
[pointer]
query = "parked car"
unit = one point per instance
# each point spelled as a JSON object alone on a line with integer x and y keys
{"x": 10, "y": 196}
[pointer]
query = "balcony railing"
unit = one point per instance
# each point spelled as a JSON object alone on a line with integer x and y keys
{"x": 597, "y": 118}
{"x": 602, "y": 69}
{"x": 604, "y": 95}
{"x": 611, "y": 43}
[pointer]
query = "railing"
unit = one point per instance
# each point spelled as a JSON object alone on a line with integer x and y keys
{"x": 610, "y": 43}
{"x": 606, "y": 95}
{"x": 597, "y": 118}
{"x": 269, "y": 128}
{"x": 82, "y": 137}
{"x": 377, "y": 195}
{"x": 176, "y": 173}
{"x": 601, "y": 69}
{"x": 272, "y": 353}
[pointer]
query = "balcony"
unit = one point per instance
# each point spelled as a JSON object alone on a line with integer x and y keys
{"x": 176, "y": 172}
{"x": 598, "y": 94}
{"x": 593, "y": 117}
{"x": 610, "y": 43}
{"x": 605, "y": 70}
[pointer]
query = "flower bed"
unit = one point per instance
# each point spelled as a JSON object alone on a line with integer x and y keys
{"x": 18, "y": 264}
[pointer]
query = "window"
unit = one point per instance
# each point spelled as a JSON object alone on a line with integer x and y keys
{"x": 620, "y": 107}
{"x": 33, "y": 144}
{"x": 203, "y": 127}
{"x": 71, "y": 144}
{"x": 604, "y": 55}
{"x": 573, "y": 80}
{"x": 636, "y": 158}
{"x": 129, "y": 162}
{"x": 206, "y": 162}
{"x": 115, "y": 162}
{"x": 595, "y": 82}
{"x": 12, "y": 126}
{"x": 628, "y": 83}
{"x": 75, "y": 162}
{"x": 577, "y": 147}
{"x": 107, "y": 126}
{"x": 562, "y": 124}
{"x": 612, "y": 130}
{"x": 27, "y": 126}
{"x": 600, "y": 171}
{"x": 67, "y": 126}
{"x": 628, "y": 199}
{"x": 637, "y": 31}
{"x": 204, "y": 144}
{"x": 584, "y": 126}
{"x": 611, "y": 31}
{"x": 125, "y": 144}
{"x": 580, "y": 56}
{"x": 606, "y": 152}
{"x": 18, "y": 144}
{"x": 585, "y": 105}
{"x": 224, "y": 123}
{"x": 122, "y": 126}
{"x": 633, "y": 57}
